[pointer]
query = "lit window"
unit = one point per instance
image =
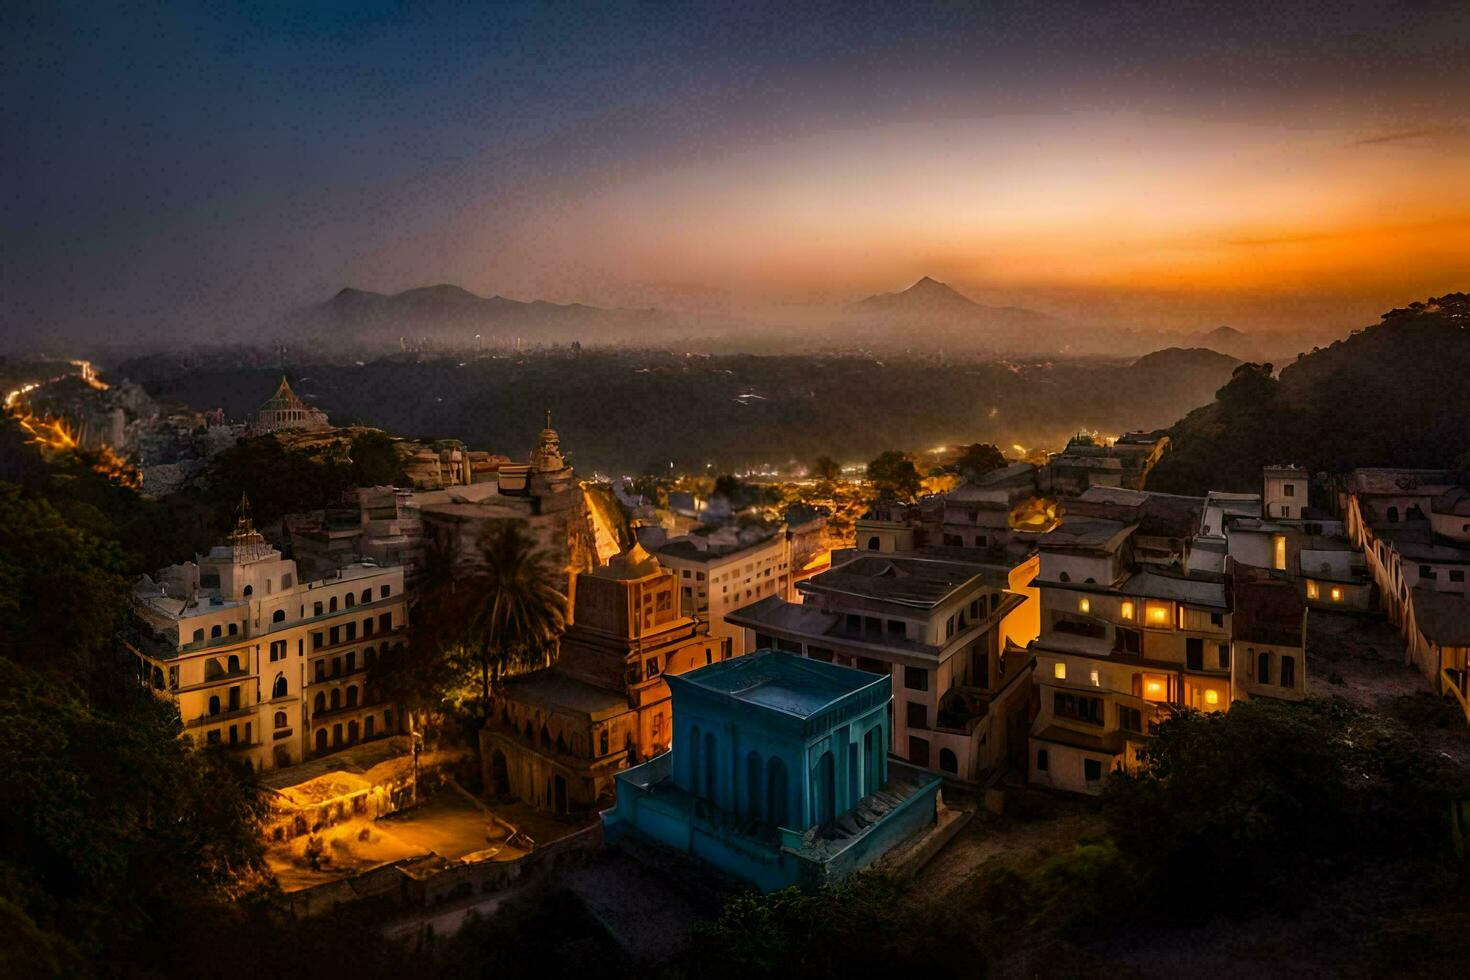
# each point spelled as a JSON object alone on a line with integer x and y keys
{"x": 1158, "y": 614}
{"x": 1312, "y": 590}
{"x": 1060, "y": 670}
{"x": 1280, "y": 551}
{"x": 1095, "y": 678}
{"x": 1212, "y": 697}
{"x": 1127, "y": 609}
{"x": 1084, "y": 605}
{"x": 1336, "y": 594}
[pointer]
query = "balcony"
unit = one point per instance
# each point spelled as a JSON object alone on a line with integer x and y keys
{"x": 247, "y": 711}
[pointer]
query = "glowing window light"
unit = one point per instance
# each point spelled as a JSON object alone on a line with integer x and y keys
{"x": 1312, "y": 590}
{"x": 1212, "y": 697}
{"x": 1084, "y": 605}
{"x": 1280, "y": 556}
{"x": 1158, "y": 615}
{"x": 1127, "y": 609}
{"x": 1153, "y": 688}
{"x": 1060, "y": 670}
{"x": 1336, "y": 594}
{"x": 1096, "y": 679}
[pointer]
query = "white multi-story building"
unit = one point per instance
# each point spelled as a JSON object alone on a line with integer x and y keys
{"x": 940, "y": 627}
{"x": 256, "y": 660}
{"x": 727, "y": 569}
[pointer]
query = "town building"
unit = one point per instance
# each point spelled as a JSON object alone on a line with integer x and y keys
{"x": 399, "y": 525}
{"x": 1268, "y": 636}
{"x": 1413, "y": 527}
{"x": 779, "y": 774}
{"x": 725, "y": 568}
{"x": 561, "y": 734}
{"x": 257, "y": 660}
{"x": 286, "y": 410}
{"x": 1279, "y": 529}
{"x": 947, "y": 633}
{"x": 1124, "y": 462}
{"x": 1131, "y": 628}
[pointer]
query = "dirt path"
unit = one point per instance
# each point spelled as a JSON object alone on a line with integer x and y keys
{"x": 1361, "y": 659}
{"x": 988, "y": 838}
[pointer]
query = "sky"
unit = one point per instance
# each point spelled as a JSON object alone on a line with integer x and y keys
{"x": 187, "y": 171}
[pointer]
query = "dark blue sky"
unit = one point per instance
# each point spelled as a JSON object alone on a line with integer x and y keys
{"x": 190, "y": 169}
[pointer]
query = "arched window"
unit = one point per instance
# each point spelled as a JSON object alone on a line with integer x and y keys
{"x": 1263, "y": 667}
{"x": 948, "y": 762}
{"x": 214, "y": 704}
{"x": 1393, "y": 515}
{"x": 826, "y": 788}
{"x": 216, "y": 632}
{"x": 352, "y": 696}
{"x": 1064, "y": 577}
{"x": 776, "y": 792}
{"x": 321, "y": 740}
{"x": 367, "y": 596}
{"x": 334, "y": 700}
{"x": 280, "y": 719}
{"x": 753, "y": 772}
{"x": 320, "y": 704}
{"x": 711, "y": 768}
{"x": 279, "y": 616}
{"x": 873, "y": 543}
{"x": 351, "y": 732}
{"x": 351, "y": 600}
{"x": 332, "y": 604}
{"x": 367, "y": 727}
{"x": 694, "y": 759}
{"x": 278, "y": 689}
{"x": 234, "y": 666}
{"x": 249, "y": 591}
{"x": 234, "y": 628}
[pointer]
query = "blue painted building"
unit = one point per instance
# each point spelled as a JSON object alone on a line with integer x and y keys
{"x": 779, "y": 773}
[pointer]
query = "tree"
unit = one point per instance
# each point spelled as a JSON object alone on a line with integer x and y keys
{"x": 428, "y": 672}
{"x": 110, "y": 823}
{"x": 827, "y": 469}
{"x": 515, "y": 612}
{"x": 977, "y": 460}
{"x": 375, "y": 461}
{"x": 61, "y": 591}
{"x": 1269, "y": 799}
{"x": 894, "y": 474}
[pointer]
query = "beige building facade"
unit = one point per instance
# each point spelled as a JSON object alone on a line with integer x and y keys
{"x": 262, "y": 663}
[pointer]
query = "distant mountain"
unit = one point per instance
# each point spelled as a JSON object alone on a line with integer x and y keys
{"x": 1220, "y": 337}
{"x": 1393, "y": 394}
{"x": 949, "y": 319}
{"x": 452, "y": 315}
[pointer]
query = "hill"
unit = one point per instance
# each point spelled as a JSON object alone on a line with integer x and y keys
{"x": 949, "y": 319}
{"x": 449, "y": 314}
{"x": 1393, "y": 394}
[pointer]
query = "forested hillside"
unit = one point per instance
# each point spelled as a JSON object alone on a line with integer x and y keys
{"x": 1394, "y": 394}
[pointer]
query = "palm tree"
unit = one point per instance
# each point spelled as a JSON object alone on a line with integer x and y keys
{"x": 425, "y": 674}
{"x": 515, "y": 613}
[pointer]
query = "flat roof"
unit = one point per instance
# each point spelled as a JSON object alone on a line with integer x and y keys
{"x": 780, "y": 681}
{"x": 556, "y": 689}
{"x": 910, "y": 580}
{"x": 1093, "y": 533}
{"x": 1197, "y": 589}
